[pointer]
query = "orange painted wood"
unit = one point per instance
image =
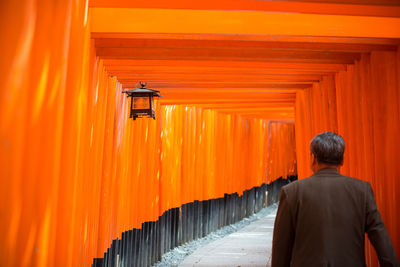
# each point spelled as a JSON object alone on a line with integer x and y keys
{"x": 199, "y": 43}
{"x": 75, "y": 172}
{"x": 228, "y": 54}
{"x": 212, "y": 64}
{"x": 362, "y": 8}
{"x": 176, "y": 85}
{"x": 363, "y": 107}
{"x": 281, "y": 155}
{"x": 254, "y": 78}
{"x": 125, "y": 20}
{"x": 248, "y": 37}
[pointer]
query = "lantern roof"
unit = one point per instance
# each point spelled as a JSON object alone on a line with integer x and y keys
{"x": 142, "y": 90}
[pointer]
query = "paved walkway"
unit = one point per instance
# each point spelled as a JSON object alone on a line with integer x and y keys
{"x": 250, "y": 246}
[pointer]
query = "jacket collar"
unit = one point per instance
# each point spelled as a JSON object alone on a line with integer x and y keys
{"x": 327, "y": 171}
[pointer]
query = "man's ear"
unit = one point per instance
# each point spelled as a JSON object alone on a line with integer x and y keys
{"x": 312, "y": 158}
{"x": 312, "y": 162}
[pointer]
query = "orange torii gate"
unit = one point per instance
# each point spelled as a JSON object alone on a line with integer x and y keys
{"x": 76, "y": 173}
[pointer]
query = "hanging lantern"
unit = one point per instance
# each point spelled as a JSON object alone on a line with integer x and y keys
{"x": 142, "y": 102}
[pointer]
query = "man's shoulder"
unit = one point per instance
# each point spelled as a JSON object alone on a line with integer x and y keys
{"x": 293, "y": 185}
{"x": 354, "y": 181}
{"x": 300, "y": 182}
{"x": 316, "y": 178}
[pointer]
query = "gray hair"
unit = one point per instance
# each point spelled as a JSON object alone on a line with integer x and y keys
{"x": 328, "y": 148}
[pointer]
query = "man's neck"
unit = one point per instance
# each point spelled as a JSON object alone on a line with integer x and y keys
{"x": 322, "y": 166}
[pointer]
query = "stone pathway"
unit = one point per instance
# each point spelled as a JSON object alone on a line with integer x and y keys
{"x": 250, "y": 246}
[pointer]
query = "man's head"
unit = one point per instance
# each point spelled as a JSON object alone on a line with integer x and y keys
{"x": 327, "y": 150}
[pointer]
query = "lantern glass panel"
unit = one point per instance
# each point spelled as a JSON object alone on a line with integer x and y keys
{"x": 141, "y": 103}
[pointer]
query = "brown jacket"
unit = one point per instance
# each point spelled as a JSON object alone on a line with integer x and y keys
{"x": 321, "y": 221}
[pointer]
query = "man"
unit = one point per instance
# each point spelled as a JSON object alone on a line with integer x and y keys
{"x": 321, "y": 220}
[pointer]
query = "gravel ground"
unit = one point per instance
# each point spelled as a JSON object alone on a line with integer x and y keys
{"x": 174, "y": 257}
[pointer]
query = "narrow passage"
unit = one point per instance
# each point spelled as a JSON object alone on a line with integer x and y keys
{"x": 250, "y": 246}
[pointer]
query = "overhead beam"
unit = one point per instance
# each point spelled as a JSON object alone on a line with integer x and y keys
{"x": 245, "y": 105}
{"x": 255, "y": 109}
{"x": 143, "y": 20}
{"x": 116, "y": 70}
{"x": 219, "y": 96}
{"x": 207, "y": 72}
{"x": 227, "y": 85}
{"x": 261, "y": 78}
{"x": 353, "y": 8}
{"x": 213, "y": 64}
{"x": 268, "y": 117}
{"x": 284, "y": 92}
{"x": 283, "y": 112}
{"x": 246, "y": 44}
{"x": 227, "y": 101}
{"x": 247, "y": 37}
{"x": 231, "y": 53}
{"x": 263, "y": 115}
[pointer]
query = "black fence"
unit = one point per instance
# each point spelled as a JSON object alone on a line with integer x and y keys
{"x": 144, "y": 247}
{"x": 274, "y": 188}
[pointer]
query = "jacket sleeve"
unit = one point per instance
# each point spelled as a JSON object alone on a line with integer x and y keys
{"x": 377, "y": 233}
{"x": 283, "y": 238}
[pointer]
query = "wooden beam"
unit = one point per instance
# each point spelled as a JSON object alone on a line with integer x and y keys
{"x": 263, "y": 115}
{"x": 221, "y": 96}
{"x": 116, "y": 70}
{"x": 245, "y": 105}
{"x": 357, "y": 2}
{"x": 283, "y": 112}
{"x": 199, "y": 77}
{"x": 202, "y": 85}
{"x": 207, "y": 72}
{"x": 247, "y": 37}
{"x": 255, "y": 109}
{"x": 144, "y": 20}
{"x": 212, "y": 64}
{"x": 376, "y": 8}
{"x": 246, "y": 44}
{"x": 231, "y": 102}
{"x": 228, "y": 54}
{"x": 287, "y": 118}
{"x": 289, "y": 93}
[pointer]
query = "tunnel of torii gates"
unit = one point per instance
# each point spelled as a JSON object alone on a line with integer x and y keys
{"x": 246, "y": 85}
